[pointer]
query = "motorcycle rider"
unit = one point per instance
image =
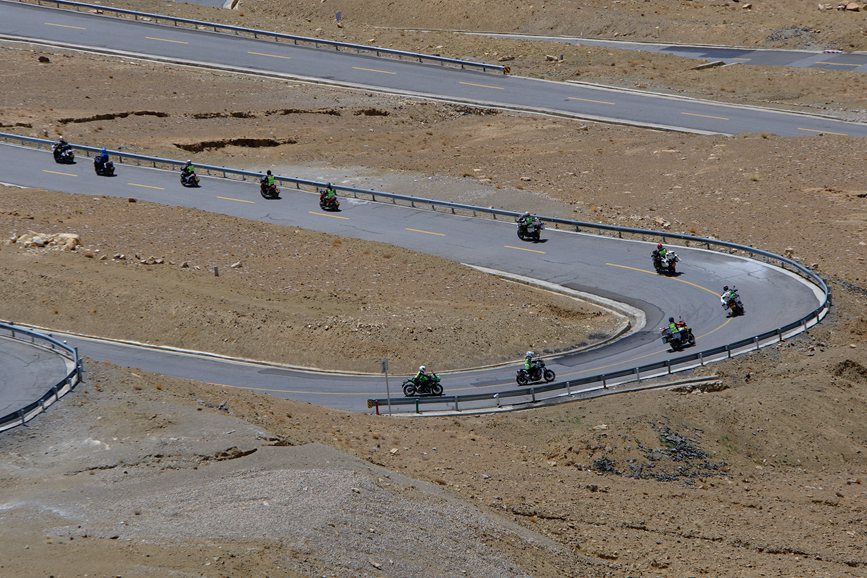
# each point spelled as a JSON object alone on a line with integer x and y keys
{"x": 329, "y": 194}
{"x": 61, "y": 145}
{"x": 101, "y": 158}
{"x": 269, "y": 180}
{"x": 528, "y": 361}
{"x": 422, "y": 377}
{"x": 659, "y": 254}
{"x": 188, "y": 171}
{"x": 728, "y": 295}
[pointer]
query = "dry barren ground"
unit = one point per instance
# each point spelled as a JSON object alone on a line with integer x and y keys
{"x": 765, "y": 477}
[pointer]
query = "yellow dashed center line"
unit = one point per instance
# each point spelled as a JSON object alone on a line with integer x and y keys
{"x": 64, "y": 25}
{"x": 481, "y": 85}
{"x": 704, "y": 115}
{"x": 327, "y": 215}
{"x": 524, "y": 249}
{"x": 373, "y": 70}
{"x": 426, "y": 232}
{"x": 59, "y": 173}
{"x": 654, "y": 273}
{"x": 146, "y": 186}
{"x": 270, "y": 55}
{"x": 823, "y": 131}
{"x": 166, "y": 40}
{"x": 236, "y": 200}
{"x": 589, "y": 100}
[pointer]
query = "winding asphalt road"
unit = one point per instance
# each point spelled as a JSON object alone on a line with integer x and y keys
{"x": 612, "y": 268}
{"x": 170, "y": 44}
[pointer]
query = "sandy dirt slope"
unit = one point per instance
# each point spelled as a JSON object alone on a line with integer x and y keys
{"x": 294, "y": 296}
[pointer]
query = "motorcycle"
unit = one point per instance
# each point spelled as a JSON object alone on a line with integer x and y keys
{"x": 733, "y": 305}
{"x": 268, "y": 191}
{"x": 189, "y": 179}
{"x": 429, "y": 386}
{"x": 537, "y": 372}
{"x": 103, "y": 169}
{"x": 64, "y": 155}
{"x": 531, "y": 232}
{"x": 328, "y": 204}
{"x": 678, "y": 339}
{"x": 666, "y": 265}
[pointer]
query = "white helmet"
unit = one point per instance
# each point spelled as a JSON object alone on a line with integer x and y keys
{"x": 422, "y": 368}
{"x": 530, "y": 354}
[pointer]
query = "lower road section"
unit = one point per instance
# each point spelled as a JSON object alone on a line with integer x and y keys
{"x": 616, "y": 269}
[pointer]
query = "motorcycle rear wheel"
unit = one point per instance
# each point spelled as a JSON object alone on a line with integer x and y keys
{"x": 521, "y": 378}
{"x": 409, "y": 388}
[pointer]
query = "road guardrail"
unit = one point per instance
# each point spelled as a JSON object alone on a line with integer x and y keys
{"x": 53, "y": 392}
{"x": 530, "y": 395}
{"x": 269, "y": 35}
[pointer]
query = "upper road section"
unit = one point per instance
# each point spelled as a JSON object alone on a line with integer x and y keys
{"x": 171, "y": 44}
{"x": 824, "y": 60}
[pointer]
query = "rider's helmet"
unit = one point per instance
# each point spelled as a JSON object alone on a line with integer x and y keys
{"x": 530, "y": 354}
{"x": 269, "y": 172}
{"x": 328, "y": 185}
{"x": 725, "y": 287}
{"x": 671, "y": 319}
{"x": 659, "y": 245}
{"x": 103, "y": 151}
{"x": 422, "y": 368}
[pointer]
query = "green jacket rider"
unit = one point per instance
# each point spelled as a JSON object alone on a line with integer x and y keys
{"x": 270, "y": 180}
{"x": 528, "y": 361}
{"x": 422, "y": 375}
{"x": 189, "y": 168}
{"x": 330, "y": 193}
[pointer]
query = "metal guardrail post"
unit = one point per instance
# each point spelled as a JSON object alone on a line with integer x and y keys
{"x": 637, "y": 375}
{"x": 416, "y": 406}
{"x": 533, "y": 394}
{"x": 456, "y": 404}
{"x": 756, "y": 341}
{"x": 604, "y": 384}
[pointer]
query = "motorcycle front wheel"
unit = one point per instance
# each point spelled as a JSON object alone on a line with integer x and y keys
{"x": 436, "y": 389}
{"x": 549, "y": 376}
